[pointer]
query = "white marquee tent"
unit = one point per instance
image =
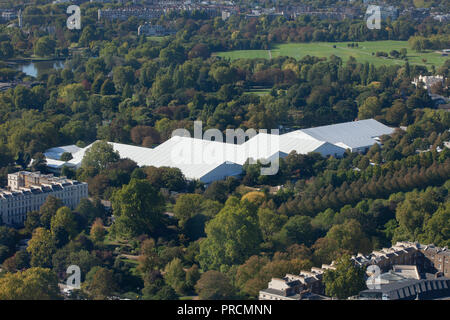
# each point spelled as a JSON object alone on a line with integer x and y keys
{"x": 208, "y": 161}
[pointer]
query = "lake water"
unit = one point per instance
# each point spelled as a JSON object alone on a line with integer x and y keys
{"x": 35, "y": 69}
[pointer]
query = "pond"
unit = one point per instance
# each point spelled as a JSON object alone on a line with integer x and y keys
{"x": 36, "y": 68}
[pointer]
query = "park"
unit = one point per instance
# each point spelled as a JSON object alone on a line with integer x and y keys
{"x": 364, "y": 52}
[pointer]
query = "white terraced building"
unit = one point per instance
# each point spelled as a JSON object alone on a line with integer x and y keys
{"x": 208, "y": 161}
{"x": 27, "y": 191}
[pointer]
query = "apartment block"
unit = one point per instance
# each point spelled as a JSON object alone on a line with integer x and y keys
{"x": 27, "y": 191}
{"x": 305, "y": 286}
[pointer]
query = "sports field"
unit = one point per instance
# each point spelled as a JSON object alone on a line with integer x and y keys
{"x": 362, "y": 53}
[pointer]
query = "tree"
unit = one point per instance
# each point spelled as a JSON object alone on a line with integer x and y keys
{"x": 370, "y": 108}
{"x": 214, "y": 285}
{"x": 192, "y": 276}
{"x": 298, "y": 229}
{"x": 232, "y": 236}
{"x": 99, "y": 156}
{"x": 414, "y": 211}
{"x": 45, "y": 46}
{"x": 67, "y": 256}
{"x": 6, "y": 50}
{"x": 31, "y": 284}
{"x": 255, "y": 197}
{"x": 66, "y": 156}
{"x": 41, "y": 247}
{"x": 107, "y": 88}
{"x": 165, "y": 177}
{"x": 349, "y": 236}
{"x": 138, "y": 208}
{"x": 39, "y": 163}
{"x": 187, "y": 206}
{"x": 123, "y": 75}
{"x": 148, "y": 259}
{"x": 217, "y": 191}
{"x": 437, "y": 228}
{"x": 22, "y": 259}
{"x": 48, "y": 210}
{"x": 145, "y": 135}
{"x": 200, "y": 50}
{"x": 64, "y": 220}
{"x": 347, "y": 280}
{"x": 175, "y": 276}
{"x": 23, "y": 97}
{"x": 270, "y": 222}
{"x": 102, "y": 284}
{"x": 8, "y": 241}
{"x": 91, "y": 210}
{"x": 98, "y": 231}
{"x": 4, "y": 253}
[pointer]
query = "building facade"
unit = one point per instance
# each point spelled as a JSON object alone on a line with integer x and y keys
{"x": 27, "y": 191}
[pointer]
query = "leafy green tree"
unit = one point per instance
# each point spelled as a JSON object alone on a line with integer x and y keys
{"x": 6, "y": 50}
{"x": 187, "y": 206}
{"x": 370, "y": 108}
{"x": 412, "y": 213}
{"x": 91, "y": 210}
{"x": 102, "y": 284}
{"x": 349, "y": 236}
{"x": 217, "y": 191}
{"x": 214, "y": 285}
{"x": 31, "y": 284}
{"x": 98, "y": 231}
{"x": 192, "y": 276}
{"x": 23, "y": 98}
{"x": 67, "y": 256}
{"x": 138, "y": 208}
{"x": 64, "y": 219}
{"x": 41, "y": 248}
{"x": 66, "y": 156}
{"x": 347, "y": 280}
{"x": 122, "y": 76}
{"x": 4, "y": 253}
{"x": 8, "y": 239}
{"x": 44, "y": 47}
{"x": 107, "y": 88}
{"x": 48, "y": 210}
{"x": 232, "y": 236}
{"x": 270, "y": 222}
{"x": 298, "y": 229}
{"x": 22, "y": 259}
{"x": 211, "y": 208}
{"x": 99, "y": 156}
{"x": 148, "y": 258}
{"x": 175, "y": 276}
{"x": 437, "y": 228}
{"x": 166, "y": 293}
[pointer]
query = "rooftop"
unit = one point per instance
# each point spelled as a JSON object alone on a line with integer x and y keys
{"x": 198, "y": 158}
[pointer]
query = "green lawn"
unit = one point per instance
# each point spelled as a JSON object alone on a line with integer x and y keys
{"x": 157, "y": 38}
{"x": 324, "y": 49}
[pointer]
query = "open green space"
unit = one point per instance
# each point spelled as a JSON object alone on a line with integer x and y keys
{"x": 363, "y": 53}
